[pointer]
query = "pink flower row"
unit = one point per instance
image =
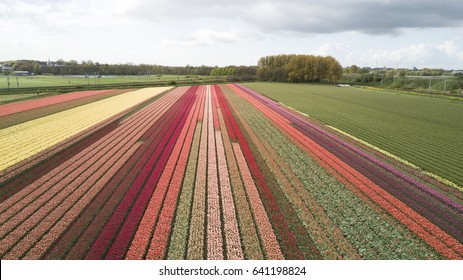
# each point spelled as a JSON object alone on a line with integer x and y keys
{"x": 214, "y": 225}
{"x": 12, "y": 108}
{"x": 62, "y": 195}
{"x": 141, "y": 240}
{"x": 197, "y": 224}
{"x": 122, "y": 225}
{"x": 158, "y": 245}
{"x": 434, "y": 236}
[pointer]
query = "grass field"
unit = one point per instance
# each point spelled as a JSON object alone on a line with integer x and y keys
{"x": 51, "y": 81}
{"x": 427, "y": 132}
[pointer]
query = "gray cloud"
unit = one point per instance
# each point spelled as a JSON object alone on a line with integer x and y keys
{"x": 227, "y": 32}
{"x": 301, "y": 16}
{"x": 307, "y": 16}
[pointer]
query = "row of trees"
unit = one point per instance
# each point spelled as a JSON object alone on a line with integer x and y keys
{"x": 281, "y": 68}
{"x": 234, "y": 71}
{"x": 299, "y": 68}
{"x": 72, "y": 67}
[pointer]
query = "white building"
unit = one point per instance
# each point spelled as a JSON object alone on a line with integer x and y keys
{"x": 21, "y": 73}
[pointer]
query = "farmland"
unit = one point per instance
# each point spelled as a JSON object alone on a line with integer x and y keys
{"x": 214, "y": 172}
{"x": 76, "y": 80}
{"x": 424, "y": 131}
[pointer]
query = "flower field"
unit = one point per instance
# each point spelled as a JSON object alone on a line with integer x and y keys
{"x": 211, "y": 172}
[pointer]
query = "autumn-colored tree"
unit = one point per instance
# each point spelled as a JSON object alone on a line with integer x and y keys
{"x": 299, "y": 68}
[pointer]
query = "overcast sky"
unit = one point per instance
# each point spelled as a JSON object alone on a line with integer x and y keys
{"x": 374, "y": 33}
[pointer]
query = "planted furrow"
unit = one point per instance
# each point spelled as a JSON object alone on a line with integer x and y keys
{"x": 440, "y": 219}
{"x": 413, "y": 220}
{"x": 31, "y": 192}
{"x": 287, "y": 238}
{"x": 17, "y": 107}
{"x": 445, "y": 237}
{"x": 128, "y": 229}
{"x": 158, "y": 244}
{"x": 251, "y": 243}
{"x": 140, "y": 242}
{"x": 58, "y": 198}
{"x": 270, "y": 243}
{"x": 148, "y": 177}
{"x": 17, "y": 171}
{"x": 36, "y": 172}
{"x": 436, "y": 187}
{"x": 54, "y": 233}
{"x": 59, "y": 205}
{"x": 232, "y": 237}
{"x": 19, "y": 142}
{"x": 354, "y": 219}
{"x": 179, "y": 237}
{"x": 446, "y": 218}
{"x": 54, "y": 187}
{"x": 214, "y": 225}
{"x": 307, "y": 209}
{"x": 149, "y": 114}
{"x": 24, "y": 116}
{"x": 434, "y": 206}
{"x": 215, "y": 104}
{"x": 223, "y": 172}
{"x": 196, "y": 237}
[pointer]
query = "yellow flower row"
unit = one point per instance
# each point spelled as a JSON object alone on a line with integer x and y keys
{"x": 26, "y": 139}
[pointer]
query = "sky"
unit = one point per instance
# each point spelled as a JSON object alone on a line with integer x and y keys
{"x": 367, "y": 33}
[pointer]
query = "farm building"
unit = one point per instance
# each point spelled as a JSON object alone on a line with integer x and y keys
{"x": 5, "y": 68}
{"x": 22, "y": 73}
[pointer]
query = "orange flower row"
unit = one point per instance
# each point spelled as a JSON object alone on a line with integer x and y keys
{"x": 247, "y": 227}
{"x": 270, "y": 243}
{"x": 66, "y": 191}
{"x": 179, "y": 237}
{"x": 434, "y": 236}
{"x": 310, "y": 212}
{"x": 196, "y": 241}
{"x": 169, "y": 182}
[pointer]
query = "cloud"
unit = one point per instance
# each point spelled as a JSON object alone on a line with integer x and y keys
{"x": 415, "y": 53}
{"x": 420, "y": 55}
{"x": 310, "y": 16}
{"x": 450, "y": 47}
{"x": 430, "y": 31}
{"x": 207, "y": 37}
{"x": 56, "y": 13}
{"x": 270, "y": 16}
{"x": 330, "y": 48}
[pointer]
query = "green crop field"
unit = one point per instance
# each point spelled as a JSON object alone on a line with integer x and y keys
{"x": 427, "y": 132}
{"x": 51, "y": 81}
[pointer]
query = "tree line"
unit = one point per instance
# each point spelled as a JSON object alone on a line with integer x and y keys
{"x": 73, "y": 67}
{"x": 298, "y": 68}
{"x": 280, "y": 68}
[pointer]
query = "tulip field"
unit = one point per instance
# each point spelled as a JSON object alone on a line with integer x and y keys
{"x": 208, "y": 172}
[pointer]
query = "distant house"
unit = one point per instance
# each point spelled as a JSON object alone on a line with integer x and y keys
{"x": 457, "y": 72}
{"x": 22, "y": 73}
{"x": 5, "y": 68}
